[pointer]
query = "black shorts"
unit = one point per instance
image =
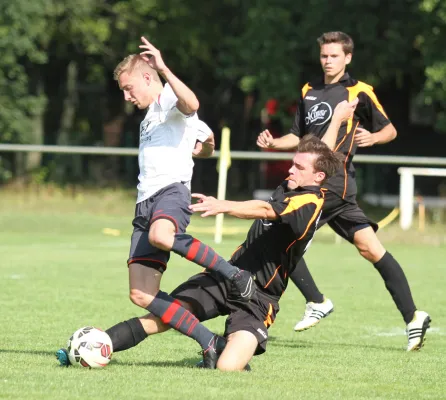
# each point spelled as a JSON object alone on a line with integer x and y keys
{"x": 172, "y": 203}
{"x": 344, "y": 216}
{"x": 208, "y": 296}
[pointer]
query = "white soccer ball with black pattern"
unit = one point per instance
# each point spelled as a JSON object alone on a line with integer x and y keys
{"x": 89, "y": 347}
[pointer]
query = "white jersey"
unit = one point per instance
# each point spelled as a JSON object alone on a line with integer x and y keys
{"x": 166, "y": 141}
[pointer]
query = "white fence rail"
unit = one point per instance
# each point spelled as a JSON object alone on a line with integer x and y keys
{"x": 235, "y": 155}
{"x": 406, "y": 180}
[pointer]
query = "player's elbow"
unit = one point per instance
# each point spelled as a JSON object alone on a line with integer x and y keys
{"x": 392, "y": 134}
{"x": 193, "y": 105}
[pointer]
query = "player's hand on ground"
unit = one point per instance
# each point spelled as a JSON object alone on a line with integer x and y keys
{"x": 345, "y": 109}
{"x": 198, "y": 148}
{"x": 364, "y": 138}
{"x": 207, "y": 205}
{"x": 152, "y": 56}
{"x": 265, "y": 140}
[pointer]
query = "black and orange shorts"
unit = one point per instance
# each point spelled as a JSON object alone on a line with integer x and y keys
{"x": 207, "y": 293}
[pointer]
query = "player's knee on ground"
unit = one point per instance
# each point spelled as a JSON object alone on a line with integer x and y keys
{"x": 140, "y": 298}
{"x": 238, "y": 352}
{"x": 161, "y": 234}
{"x": 369, "y": 245}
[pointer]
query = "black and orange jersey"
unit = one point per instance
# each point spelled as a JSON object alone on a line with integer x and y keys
{"x": 315, "y": 109}
{"x": 273, "y": 248}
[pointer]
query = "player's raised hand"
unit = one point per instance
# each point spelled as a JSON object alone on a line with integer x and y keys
{"x": 152, "y": 56}
{"x": 345, "y": 109}
{"x": 265, "y": 140}
{"x": 207, "y": 205}
{"x": 364, "y": 138}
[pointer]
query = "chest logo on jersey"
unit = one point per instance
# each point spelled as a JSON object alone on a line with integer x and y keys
{"x": 319, "y": 114}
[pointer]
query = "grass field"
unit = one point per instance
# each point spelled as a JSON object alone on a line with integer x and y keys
{"x": 59, "y": 272}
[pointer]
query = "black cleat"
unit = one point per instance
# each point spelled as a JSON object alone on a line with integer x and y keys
{"x": 212, "y": 353}
{"x": 243, "y": 286}
{"x": 200, "y": 365}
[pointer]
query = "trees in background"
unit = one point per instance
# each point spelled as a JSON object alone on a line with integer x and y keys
{"x": 58, "y": 56}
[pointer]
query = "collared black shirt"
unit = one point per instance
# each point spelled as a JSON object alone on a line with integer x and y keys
{"x": 273, "y": 248}
{"x": 315, "y": 109}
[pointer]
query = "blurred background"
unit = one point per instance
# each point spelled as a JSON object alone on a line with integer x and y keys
{"x": 245, "y": 60}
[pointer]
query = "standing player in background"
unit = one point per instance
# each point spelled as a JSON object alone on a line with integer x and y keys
{"x": 168, "y": 136}
{"x": 368, "y": 127}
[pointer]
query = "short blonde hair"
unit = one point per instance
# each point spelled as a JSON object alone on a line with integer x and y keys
{"x": 132, "y": 62}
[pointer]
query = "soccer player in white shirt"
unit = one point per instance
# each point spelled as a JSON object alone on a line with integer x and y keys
{"x": 168, "y": 138}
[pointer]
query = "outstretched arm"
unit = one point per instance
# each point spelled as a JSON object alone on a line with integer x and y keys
{"x": 251, "y": 209}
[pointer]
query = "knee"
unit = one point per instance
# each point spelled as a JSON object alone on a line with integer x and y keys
{"x": 140, "y": 298}
{"x": 370, "y": 253}
{"x": 228, "y": 365}
{"x": 161, "y": 240}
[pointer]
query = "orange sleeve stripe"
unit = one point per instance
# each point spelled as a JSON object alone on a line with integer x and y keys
{"x": 368, "y": 90}
{"x": 305, "y": 89}
{"x": 297, "y": 202}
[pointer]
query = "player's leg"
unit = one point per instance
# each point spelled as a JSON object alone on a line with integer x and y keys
{"x": 239, "y": 350}
{"x": 396, "y": 283}
{"x": 168, "y": 225}
{"x": 317, "y": 306}
{"x": 247, "y": 332}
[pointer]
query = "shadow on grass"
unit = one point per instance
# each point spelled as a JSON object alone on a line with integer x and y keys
{"x": 184, "y": 363}
{"x": 298, "y": 343}
{"x": 34, "y": 352}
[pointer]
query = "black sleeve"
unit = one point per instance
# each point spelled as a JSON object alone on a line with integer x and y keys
{"x": 298, "y": 127}
{"x": 298, "y": 213}
{"x": 370, "y": 111}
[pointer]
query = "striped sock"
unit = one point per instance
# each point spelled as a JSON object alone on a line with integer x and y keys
{"x": 199, "y": 253}
{"x": 175, "y": 315}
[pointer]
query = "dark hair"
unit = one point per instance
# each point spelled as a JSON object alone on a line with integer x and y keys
{"x": 337, "y": 37}
{"x": 327, "y": 161}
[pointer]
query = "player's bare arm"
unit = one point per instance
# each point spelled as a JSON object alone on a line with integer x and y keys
{"x": 343, "y": 112}
{"x": 187, "y": 101}
{"x": 364, "y": 138}
{"x": 204, "y": 149}
{"x": 266, "y": 141}
{"x": 251, "y": 209}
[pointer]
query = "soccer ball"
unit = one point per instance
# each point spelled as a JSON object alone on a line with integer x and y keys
{"x": 89, "y": 347}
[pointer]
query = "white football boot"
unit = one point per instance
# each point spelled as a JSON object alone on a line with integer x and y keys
{"x": 314, "y": 312}
{"x": 416, "y": 330}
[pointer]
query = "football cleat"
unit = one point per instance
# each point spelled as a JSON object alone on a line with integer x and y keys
{"x": 200, "y": 365}
{"x": 416, "y": 330}
{"x": 243, "y": 286}
{"x": 314, "y": 312}
{"x": 62, "y": 357}
{"x": 212, "y": 353}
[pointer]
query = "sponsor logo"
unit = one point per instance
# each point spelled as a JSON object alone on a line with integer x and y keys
{"x": 319, "y": 114}
{"x": 263, "y": 333}
{"x": 310, "y": 98}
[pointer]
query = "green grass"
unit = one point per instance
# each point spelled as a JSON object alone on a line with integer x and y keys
{"x": 60, "y": 272}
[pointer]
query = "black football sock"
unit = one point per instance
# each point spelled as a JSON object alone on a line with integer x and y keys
{"x": 397, "y": 285}
{"x": 127, "y": 334}
{"x": 302, "y": 278}
{"x": 172, "y": 313}
{"x": 199, "y": 253}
